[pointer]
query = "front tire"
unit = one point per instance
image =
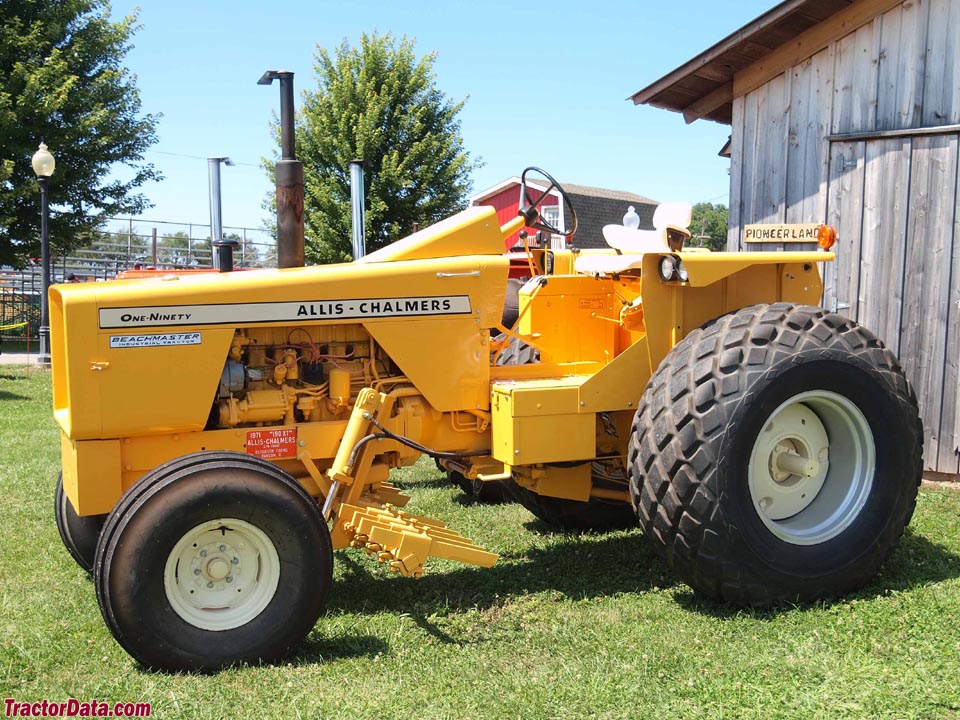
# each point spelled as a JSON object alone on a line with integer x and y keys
{"x": 776, "y": 455}
{"x": 79, "y": 534}
{"x": 210, "y": 560}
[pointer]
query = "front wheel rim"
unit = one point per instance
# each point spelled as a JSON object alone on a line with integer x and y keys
{"x": 812, "y": 467}
{"x": 221, "y": 574}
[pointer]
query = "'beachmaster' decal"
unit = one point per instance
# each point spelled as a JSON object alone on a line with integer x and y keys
{"x": 265, "y": 312}
{"x": 129, "y": 341}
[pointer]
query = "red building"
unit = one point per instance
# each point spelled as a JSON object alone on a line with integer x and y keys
{"x": 595, "y": 208}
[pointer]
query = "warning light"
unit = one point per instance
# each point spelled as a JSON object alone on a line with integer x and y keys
{"x": 826, "y": 236}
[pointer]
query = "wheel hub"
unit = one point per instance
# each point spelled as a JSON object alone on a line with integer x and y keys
{"x": 221, "y": 574}
{"x": 217, "y": 568}
{"x": 811, "y": 468}
{"x": 789, "y": 462}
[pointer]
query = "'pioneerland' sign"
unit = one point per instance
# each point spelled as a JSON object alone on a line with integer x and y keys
{"x": 805, "y": 233}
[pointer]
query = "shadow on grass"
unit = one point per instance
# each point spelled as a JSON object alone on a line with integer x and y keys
{"x": 318, "y": 648}
{"x": 315, "y": 649}
{"x": 4, "y": 395}
{"x": 433, "y": 483}
{"x": 916, "y": 562}
{"x": 579, "y": 567}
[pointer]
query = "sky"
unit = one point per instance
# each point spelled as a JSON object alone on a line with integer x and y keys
{"x": 546, "y": 84}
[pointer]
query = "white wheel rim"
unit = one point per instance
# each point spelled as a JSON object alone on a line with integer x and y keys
{"x": 221, "y": 574}
{"x": 812, "y": 467}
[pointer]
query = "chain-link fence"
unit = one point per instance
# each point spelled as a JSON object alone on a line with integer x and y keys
{"x": 123, "y": 244}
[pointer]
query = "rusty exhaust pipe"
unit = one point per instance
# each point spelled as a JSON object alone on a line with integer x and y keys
{"x": 289, "y": 174}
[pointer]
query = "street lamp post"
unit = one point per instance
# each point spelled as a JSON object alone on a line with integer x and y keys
{"x": 43, "y": 165}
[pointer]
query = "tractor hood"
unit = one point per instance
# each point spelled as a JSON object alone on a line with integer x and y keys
{"x": 165, "y": 334}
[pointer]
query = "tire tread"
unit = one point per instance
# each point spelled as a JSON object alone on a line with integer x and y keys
{"x": 673, "y": 453}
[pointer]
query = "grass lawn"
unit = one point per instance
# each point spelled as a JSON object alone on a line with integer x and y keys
{"x": 562, "y": 627}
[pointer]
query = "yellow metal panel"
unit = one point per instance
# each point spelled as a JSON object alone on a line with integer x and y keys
{"x": 661, "y": 314}
{"x": 701, "y": 304}
{"x": 137, "y": 382}
{"x": 74, "y": 384}
{"x": 453, "y": 371}
{"x": 475, "y": 231}
{"x": 321, "y": 295}
{"x": 537, "y": 439}
{"x": 536, "y": 401}
{"x": 801, "y": 283}
{"x": 159, "y": 389}
{"x": 752, "y": 285}
{"x": 724, "y": 282}
{"x": 707, "y": 268}
{"x": 574, "y": 318}
{"x": 619, "y": 385}
{"x": 553, "y": 438}
{"x": 573, "y": 483}
{"x": 98, "y": 462}
{"x": 501, "y": 426}
{"x": 138, "y": 455}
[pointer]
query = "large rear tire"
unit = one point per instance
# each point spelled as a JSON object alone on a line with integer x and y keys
{"x": 213, "y": 559}
{"x": 776, "y": 455}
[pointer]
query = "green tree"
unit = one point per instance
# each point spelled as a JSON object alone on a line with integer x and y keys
{"x": 378, "y": 103}
{"x": 62, "y": 80}
{"x": 709, "y": 226}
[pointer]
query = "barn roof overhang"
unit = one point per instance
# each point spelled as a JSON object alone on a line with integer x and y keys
{"x": 704, "y": 87}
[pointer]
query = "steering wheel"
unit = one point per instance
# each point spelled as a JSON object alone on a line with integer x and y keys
{"x": 530, "y": 208}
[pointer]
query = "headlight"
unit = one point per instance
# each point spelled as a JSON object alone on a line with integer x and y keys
{"x": 672, "y": 268}
{"x": 668, "y": 268}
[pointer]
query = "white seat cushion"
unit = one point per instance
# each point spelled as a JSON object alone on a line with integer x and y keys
{"x": 606, "y": 264}
{"x": 629, "y": 240}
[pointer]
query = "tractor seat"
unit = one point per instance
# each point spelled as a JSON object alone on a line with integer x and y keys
{"x": 606, "y": 264}
{"x": 632, "y": 244}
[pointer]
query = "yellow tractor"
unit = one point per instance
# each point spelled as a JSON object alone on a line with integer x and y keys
{"x": 223, "y": 433}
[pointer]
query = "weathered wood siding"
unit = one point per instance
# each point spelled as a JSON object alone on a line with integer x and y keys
{"x": 894, "y": 200}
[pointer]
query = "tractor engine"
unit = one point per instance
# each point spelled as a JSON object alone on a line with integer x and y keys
{"x": 282, "y": 376}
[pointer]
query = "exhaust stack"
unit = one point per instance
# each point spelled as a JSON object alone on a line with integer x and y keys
{"x": 216, "y": 213}
{"x": 356, "y": 210}
{"x": 289, "y": 174}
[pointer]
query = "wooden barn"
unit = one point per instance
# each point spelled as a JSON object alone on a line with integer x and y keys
{"x": 848, "y": 112}
{"x": 595, "y": 207}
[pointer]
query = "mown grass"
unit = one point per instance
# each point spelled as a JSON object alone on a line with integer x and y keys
{"x": 562, "y": 627}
